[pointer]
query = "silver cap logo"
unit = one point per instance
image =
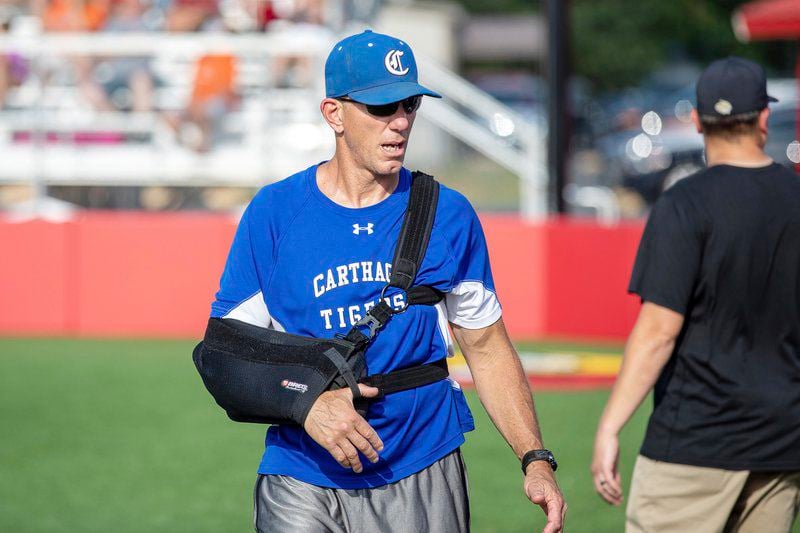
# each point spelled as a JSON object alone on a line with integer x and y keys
{"x": 723, "y": 107}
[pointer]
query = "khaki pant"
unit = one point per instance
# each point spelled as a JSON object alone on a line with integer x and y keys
{"x": 672, "y": 497}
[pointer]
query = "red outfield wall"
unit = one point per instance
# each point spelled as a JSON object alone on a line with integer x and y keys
{"x": 154, "y": 275}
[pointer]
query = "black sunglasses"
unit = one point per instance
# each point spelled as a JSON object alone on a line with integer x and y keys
{"x": 410, "y": 105}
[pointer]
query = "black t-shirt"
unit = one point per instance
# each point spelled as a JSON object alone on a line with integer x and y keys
{"x": 723, "y": 248}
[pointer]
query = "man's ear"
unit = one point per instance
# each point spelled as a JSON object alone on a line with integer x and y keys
{"x": 333, "y": 112}
{"x": 696, "y": 121}
{"x": 763, "y": 119}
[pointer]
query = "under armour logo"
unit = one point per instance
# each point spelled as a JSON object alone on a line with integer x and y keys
{"x": 394, "y": 64}
{"x": 368, "y": 228}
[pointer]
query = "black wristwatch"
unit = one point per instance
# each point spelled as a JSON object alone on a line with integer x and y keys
{"x": 538, "y": 455}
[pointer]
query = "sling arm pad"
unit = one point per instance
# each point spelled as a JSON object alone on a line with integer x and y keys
{"x": 265, "y": 376}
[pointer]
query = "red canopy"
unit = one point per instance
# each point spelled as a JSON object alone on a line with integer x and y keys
{"x": 770, "y": 20}
{"x": 767, "y": 20}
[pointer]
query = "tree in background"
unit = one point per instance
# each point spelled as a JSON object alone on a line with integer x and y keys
{"x": 615, "y": 43}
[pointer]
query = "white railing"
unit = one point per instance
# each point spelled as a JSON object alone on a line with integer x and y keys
{"x": 493, "y": 129}
{"x": 267, "y": 135}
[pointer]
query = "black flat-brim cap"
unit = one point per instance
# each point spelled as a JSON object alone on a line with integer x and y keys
{"x": 732, "y": 86}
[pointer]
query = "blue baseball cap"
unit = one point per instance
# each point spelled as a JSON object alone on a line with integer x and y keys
{"x": 373, "y": 68}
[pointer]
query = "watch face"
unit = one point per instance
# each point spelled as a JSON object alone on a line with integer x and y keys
{"x": 552, "y": 460}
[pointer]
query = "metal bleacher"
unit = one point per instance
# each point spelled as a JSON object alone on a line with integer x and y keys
{"x": 49, "y": 136}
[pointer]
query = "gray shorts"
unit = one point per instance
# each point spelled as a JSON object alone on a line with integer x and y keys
{"x": 434, "y": 499}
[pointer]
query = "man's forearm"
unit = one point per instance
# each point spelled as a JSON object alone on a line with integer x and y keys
{"x": 504, "y": 392}
{"x": 502, "y": 386}
{"x": 648, "y": 349}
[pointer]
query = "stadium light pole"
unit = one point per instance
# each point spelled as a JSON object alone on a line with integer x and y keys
{"x": 558, "y": 131}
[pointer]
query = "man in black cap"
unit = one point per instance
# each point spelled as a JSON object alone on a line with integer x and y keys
{"x": 718, "y": 334}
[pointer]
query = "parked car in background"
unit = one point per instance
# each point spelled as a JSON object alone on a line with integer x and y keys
{"x": 526, "y": 94}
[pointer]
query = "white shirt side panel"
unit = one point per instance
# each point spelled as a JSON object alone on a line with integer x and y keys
{"x": 254, "y": 311}
{"x": 444, "y": 328}
{"x": 471, "y": 305}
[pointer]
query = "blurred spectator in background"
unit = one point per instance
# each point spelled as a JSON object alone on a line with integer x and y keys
{"x": 241, "y": 16}
{"x": 213, "y": 96}
{"x": 305, "y": 21}
{"x": 79, "y": 16}
{"x": 124, "y": 83}
{"x": 191, "y": 15}
{"x": 265, "y": 13}
{"x": 14, "y": 68}
{"x": 308, "y": 12}
{"x": 75, "y": 15}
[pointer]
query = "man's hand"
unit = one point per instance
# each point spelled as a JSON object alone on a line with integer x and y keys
{"x": 607, "y": 481}
{"x": 541, "y": 489}
{"x": 336, "y": 426}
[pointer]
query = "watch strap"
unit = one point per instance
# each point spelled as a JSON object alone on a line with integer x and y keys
{"x": 538, "y": 455}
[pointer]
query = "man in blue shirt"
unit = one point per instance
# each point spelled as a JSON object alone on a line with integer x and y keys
{"x": 310, "y": 257}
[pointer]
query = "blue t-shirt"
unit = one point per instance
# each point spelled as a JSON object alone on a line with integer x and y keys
{"x": 303, "y": 264}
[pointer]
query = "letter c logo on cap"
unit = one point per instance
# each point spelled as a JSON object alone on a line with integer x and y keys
{"x": 394, "y": 64}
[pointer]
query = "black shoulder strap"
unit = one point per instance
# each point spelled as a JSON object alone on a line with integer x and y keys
{"x": 416, "y": 230}
{"x": 411, "y": 247}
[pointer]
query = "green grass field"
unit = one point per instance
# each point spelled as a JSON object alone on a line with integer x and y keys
{"x": 121, "y": 436}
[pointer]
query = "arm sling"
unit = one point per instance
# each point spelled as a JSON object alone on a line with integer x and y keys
{"x": 264, "y": 376}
